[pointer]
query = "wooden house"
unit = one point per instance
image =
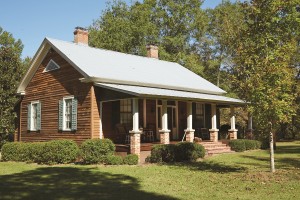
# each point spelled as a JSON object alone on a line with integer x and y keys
{"x": 74, "y": 91}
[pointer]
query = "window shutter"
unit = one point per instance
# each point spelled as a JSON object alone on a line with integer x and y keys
{"x": 74, "y": 114}
{"x": 60, "y": 114}
{"x": 38, "y": 116}
{"x": 29, "y": 117}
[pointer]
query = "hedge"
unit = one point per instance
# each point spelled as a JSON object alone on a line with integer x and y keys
{"x": 183, "y": 151}
{"x": 131, "y": 159}
{"x": 52, "y": 152}
{"x": 94, "y": 151}
{"x": 114, "y": 160}
{"x": 241, "y": 145}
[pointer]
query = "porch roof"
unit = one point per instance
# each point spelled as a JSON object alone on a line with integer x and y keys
{"x": 148, "y": 92}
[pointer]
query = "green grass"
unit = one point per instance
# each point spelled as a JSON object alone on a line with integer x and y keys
{"x": 232, "y": 176}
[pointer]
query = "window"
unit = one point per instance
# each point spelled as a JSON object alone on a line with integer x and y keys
{"x": 34, "y": 116}
{"x": 68, "y": 114}
{"x": 125, "y": 111}
{"x": 199, "y": 114}
{"x": 51, "y": 66}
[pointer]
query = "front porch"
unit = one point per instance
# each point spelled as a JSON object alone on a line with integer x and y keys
{"x": 135, "y": 116}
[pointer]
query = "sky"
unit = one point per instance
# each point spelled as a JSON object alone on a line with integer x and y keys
{"x": 33, "y": 20}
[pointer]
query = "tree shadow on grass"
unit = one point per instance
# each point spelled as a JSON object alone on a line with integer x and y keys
{"x": 281, "y": 162}
{"x": 288, "y": 150}
{"x": 210, "y": 166}
{"x": 72, "y": 183}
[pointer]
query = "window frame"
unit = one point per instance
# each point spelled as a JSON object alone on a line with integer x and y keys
{"x": 126, "y": 111}
{"x": 36, "y": 115}
{"x": 64, "y": 127}
{"x": 51, "y": 61}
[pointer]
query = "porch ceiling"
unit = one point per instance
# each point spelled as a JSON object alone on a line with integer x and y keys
{"x": 150, "y": 92}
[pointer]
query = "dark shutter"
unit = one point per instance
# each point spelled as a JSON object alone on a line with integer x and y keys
{"x": 74, "y": 115}
{"x": 38, "y": 116}
{"x": 29, "y": 117}
{"x": 60, "y": 114}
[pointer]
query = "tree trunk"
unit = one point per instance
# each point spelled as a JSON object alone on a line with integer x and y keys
{"x": 272, "y": 163}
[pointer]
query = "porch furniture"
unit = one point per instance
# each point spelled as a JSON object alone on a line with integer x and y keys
{"x": 205, "y": 134}
{"x": 149, "y": 135}
{"x": 121, "y": 130}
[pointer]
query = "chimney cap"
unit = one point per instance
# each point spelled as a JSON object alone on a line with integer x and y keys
{"x": 80, "y": 28}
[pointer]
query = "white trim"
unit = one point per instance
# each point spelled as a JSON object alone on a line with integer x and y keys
{"x": 31, "y": 114}
{"x": 64, "y": 109}
{"x": 101, "y": 115}
{"x": 49, "y": 70}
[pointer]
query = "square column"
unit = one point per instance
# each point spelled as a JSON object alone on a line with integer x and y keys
{"x": 135, "y": 133}
{"x": 213, "y": 131}
{"x": 189, "y": 130}
{"x": 164, "y": 132}
{"x": 232, "y": 131}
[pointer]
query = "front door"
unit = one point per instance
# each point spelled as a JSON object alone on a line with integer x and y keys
{"x": 172, "y": 122}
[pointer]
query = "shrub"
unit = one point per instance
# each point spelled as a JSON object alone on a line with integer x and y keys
{"x": 131, "y": 159}
{"x": 96, "y": 150}
{"x": 114, "y": 160}
{"x": 56, "y": 151}
{"x": 162, "y": 153}
{"x": 250, "y": 144}
{"x": 183, "y": 151}
{"x": 187, "y": 151}
{"x": 59, "y": 151}
{"x": 237, "y": 145}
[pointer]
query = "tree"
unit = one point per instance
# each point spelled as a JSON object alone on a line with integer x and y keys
{"x": 172, "y": 25}
{"x": 11, "y": 71}
{"x": 264, "y": 71}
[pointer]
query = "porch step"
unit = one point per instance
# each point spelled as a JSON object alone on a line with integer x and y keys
{"x": 213, "y": 148}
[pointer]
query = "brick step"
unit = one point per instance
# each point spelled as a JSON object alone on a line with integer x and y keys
{"x": 213, "y": 145}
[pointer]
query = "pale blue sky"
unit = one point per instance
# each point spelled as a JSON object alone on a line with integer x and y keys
{"x": 33, "y": 20}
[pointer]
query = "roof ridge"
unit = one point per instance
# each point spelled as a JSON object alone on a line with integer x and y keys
{"x": 127, "y": 54}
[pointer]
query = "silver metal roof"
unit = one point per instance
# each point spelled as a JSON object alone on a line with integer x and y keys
{"x": 165, "y": 93}
{"x": 98, "y": 65}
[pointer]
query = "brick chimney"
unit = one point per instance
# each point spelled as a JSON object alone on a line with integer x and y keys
{"x": 81, "y": 36}
{"x": 152, "y": 51}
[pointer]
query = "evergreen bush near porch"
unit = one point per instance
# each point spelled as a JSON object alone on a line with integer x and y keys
{"x": 241, "y": 145}
{"x": 183, "y": 151}
{"x": 94, "y": 151}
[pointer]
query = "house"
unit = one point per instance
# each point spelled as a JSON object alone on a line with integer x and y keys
{"x": 74, "y": 91}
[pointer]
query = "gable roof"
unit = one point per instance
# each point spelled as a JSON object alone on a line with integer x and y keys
{"x": 105, "y": 66}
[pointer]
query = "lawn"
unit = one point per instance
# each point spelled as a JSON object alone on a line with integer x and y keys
{"x": 231, "y": 176}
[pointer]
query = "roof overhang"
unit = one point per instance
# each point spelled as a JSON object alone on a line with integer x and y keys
{"x": 161, "y": 93}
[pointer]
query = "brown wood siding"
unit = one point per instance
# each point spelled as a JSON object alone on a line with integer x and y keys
{"x": 95, "y": 115}
{"x": 107, "y": 127}
{"x": 49, "y": 88}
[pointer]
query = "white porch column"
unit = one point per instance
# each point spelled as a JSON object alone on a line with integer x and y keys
{"x": 135, "y": 134}
{"x": 164, "y": 133}
{"x": 232, "y": 131}
{"x": 189, "y": 130}
{"x": 249, "y": 132}
{"x": 214, "y": 131}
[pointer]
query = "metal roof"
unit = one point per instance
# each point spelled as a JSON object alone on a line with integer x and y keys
{"x": 99, "y": 65}
{"x": 165, "y": 93}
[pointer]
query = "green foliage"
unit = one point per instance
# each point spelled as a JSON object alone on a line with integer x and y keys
{"x": 162, "y": 153}
{"x": 183, "y": 151}
{"x": 53, "y": 152}
{"x": 187, "y": 151}
{"x": 241, "y": 145}
{"x": 131, "y": 159}
{"x": 59, "y": 151}
{"x": 11, "y": 71}
{"x": 96, "y": 150}
{"x": 114, "y": 160}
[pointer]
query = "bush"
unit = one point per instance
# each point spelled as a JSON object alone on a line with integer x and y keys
{"x": 183, "y": 151}
{"x": 114, "y": 160}
{"x": 131, "y": 159}
{"x": 162, "y": 153}
{"x": 187, "y": 151}
{"x": 241, "y": 145}
{"x": 237, "y": 145}
{"x": 56, "y": 151}
{"x": 59, "y": 152}
{"x": 95, "y": 151}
